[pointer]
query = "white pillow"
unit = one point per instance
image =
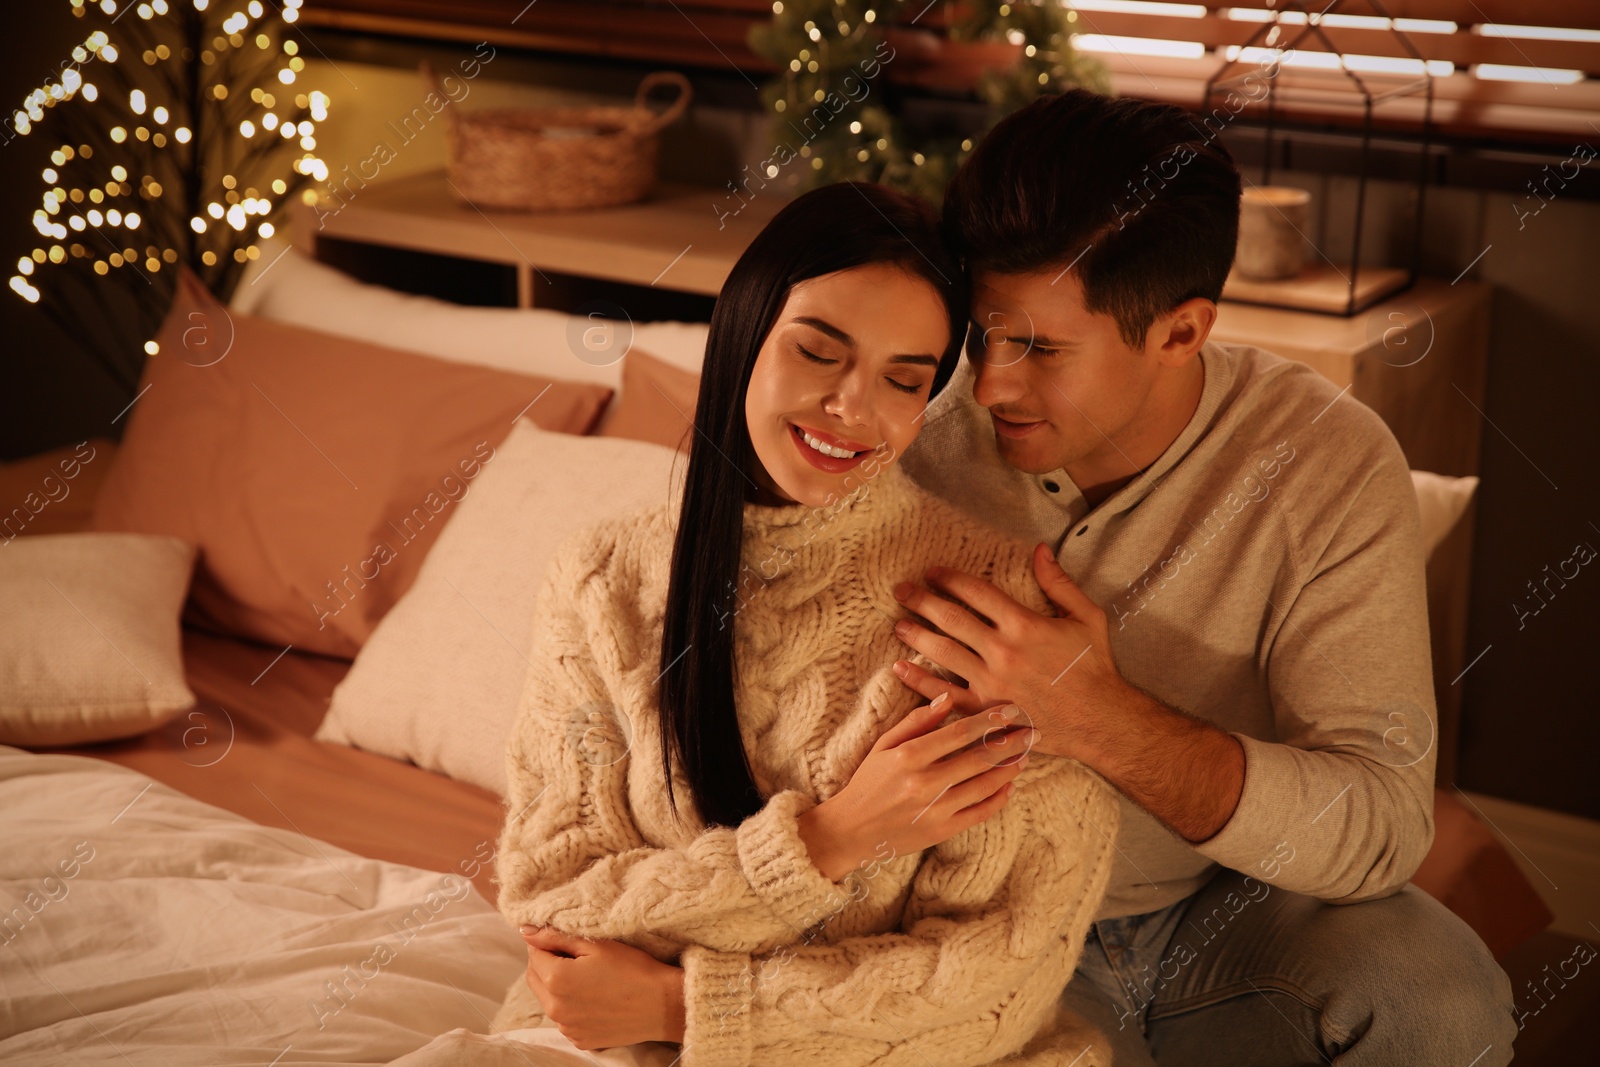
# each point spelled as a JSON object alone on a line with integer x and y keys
{"x": 1442, "y": 500}
{"x": 289, "y": 286}
{"x": 90, "y": 645}
{"x": 439, "y": 680}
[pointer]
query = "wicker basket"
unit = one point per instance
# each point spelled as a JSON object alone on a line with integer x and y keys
{"x": 558, "y": 158}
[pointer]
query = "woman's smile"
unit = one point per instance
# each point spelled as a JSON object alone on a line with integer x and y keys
{"x": 825, "y": 451}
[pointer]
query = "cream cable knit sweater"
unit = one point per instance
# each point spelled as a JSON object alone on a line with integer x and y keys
{"x": 955, "y": 955}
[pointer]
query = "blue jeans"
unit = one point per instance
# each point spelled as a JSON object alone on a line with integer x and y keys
{"x": 1244, "y": 974}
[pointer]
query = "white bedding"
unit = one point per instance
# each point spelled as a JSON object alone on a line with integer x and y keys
{"x": 141, "y": 926}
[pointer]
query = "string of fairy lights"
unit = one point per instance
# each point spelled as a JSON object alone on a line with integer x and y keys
{"x": 185, "y": 136}
{"x": 833, "y": 102}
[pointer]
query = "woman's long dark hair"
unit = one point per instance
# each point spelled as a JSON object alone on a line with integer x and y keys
{"x": 833, "y": 228}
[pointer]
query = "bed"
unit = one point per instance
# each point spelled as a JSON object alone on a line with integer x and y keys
{"x": 243, "y": 887}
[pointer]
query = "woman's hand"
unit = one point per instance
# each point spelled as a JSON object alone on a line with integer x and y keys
{"x": 603, "y": 994}
{"x": 918, "y": 786}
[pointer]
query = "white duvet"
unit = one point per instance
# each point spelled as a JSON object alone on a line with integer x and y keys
{"x": 141, "y": 926}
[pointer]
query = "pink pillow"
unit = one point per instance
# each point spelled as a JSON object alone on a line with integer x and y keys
{"x": 312, "y": 471}
{"x": 657, "y": 403}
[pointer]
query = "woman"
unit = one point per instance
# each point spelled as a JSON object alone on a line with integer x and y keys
{"x": 714, "y": 767}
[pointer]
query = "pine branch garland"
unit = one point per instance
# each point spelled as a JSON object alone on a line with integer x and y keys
{"x": 820, "y": 45}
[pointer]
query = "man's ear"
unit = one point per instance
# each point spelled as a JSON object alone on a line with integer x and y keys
{"x": 1175, "y": 337}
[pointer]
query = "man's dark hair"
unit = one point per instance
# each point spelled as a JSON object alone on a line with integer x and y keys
{"x": 1129, "y": 194}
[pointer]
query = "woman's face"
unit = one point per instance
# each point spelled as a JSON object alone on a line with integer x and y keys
{"x": 847, "y": 366}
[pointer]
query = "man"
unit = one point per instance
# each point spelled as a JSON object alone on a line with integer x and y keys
{"x": 1234, "y": 549}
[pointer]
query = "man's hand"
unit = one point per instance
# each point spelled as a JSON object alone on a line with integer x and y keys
{"x": 1056, "y": 669}
{"x": 603, "y": 994}
{"x": 1060, "y": 672}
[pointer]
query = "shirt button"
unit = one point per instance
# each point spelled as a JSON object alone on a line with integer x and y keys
{"x": 1052, "y": 486}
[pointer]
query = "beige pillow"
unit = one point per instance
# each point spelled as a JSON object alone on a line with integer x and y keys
{"x": 439, "y": 680}
{"x": 90, "y": 647}
{"x": 1442, "y": 500}
{"x": 287, "y": 285}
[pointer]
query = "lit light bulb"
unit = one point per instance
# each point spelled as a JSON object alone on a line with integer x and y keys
{"x": 247, "y": 128}
{"x": 136, "y": 101}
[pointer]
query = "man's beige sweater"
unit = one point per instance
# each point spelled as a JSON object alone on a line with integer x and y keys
{"x": 955, "y": 955}
{"x": 1264, "y": 573}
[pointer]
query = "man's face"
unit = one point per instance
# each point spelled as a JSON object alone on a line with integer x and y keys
{"x": 1063, "y": 388}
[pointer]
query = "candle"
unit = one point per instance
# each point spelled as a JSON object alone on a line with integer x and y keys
{"x": 1273, "y": 220}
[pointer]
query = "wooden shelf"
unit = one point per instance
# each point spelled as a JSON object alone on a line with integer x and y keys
{"x": 685, "y": 238}
{"x": 1320, "y": 287}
